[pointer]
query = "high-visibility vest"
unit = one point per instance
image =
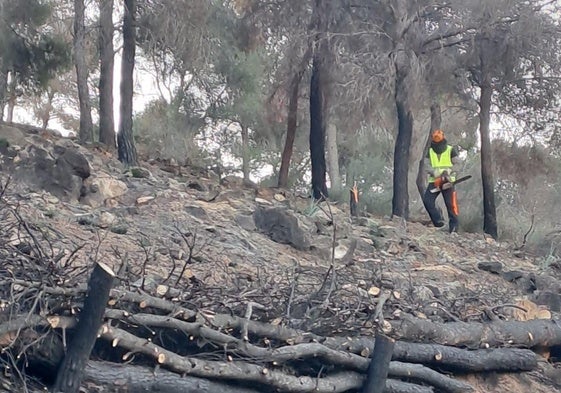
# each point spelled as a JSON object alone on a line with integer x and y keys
{"x": 441, "y": 162}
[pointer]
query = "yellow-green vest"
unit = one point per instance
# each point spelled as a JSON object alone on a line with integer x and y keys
{"x": 441, "y": 162}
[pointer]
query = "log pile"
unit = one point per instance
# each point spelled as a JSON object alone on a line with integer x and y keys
{"x": 152, "y": 338}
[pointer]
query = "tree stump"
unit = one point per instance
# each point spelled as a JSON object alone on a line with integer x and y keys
{"x": 71, "y": 369}
{"x": 379, "y": 365}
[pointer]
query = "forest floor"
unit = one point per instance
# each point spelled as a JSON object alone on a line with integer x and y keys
{"x": 323, "y": 272}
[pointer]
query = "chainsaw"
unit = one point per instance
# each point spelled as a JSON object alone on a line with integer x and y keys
{"x": 443, "y": 182}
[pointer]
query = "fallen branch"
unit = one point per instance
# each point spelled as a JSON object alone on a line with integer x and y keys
{"x": 525, "y": 334}
{"x": 242, "y": 371}
{"x": 142, "y": 379}
{"x": 445, "y": 357}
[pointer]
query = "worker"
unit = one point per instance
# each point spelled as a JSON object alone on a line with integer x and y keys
{"x": 439, "y": 164}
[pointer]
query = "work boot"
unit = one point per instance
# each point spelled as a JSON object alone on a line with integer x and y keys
{"x": 439, "y": 224}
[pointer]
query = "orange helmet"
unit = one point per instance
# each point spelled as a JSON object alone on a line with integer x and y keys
{"x": 437, "y": 136}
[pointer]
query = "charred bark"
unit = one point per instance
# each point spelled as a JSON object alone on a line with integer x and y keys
{"x": 292, "y": 121}
{"x": 474, "y": 335}
{"x": 125, "y": 139}
{"x": 106, "y": 61}
{"x": 70, "y": 373}
{"x": 317, "y": 130}
{"x": 318, "y": 101}
{"x": 379, "y": 365}
{"x": 128, "y": 378}
{"x": 400, "y": 200}
{"x": 487, "y": 178}
{"x": 86, "y": 126}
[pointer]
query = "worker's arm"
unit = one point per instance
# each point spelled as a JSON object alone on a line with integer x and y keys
{"x": 455, "y": 157}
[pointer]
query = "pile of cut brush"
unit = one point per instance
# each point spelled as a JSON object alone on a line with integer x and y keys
{"x": 59, "y": 332}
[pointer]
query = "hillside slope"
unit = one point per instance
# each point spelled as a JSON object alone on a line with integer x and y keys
{"x": 229, "y": 245}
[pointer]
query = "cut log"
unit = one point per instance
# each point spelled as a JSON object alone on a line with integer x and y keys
{"x": 247, "y": 372}
{"x": 379, "y": 365}
{"x": 289, "y": 353}
{"x": 445, "y": 357}
{"x": 70, "y": 373}
{"x": 526, "y": 334}
{"x": 119, "y": 378}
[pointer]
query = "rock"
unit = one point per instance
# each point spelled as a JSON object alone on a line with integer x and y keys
{"x": 246, "y": 222}
{"x": 140, "y": 173}
{"x": 53, "y": 200}
{"x": 232, "y": 181}
{"x": 262, "y": 201}
{"x": 491, "y": 267}
{"x": 196, "y": 211}
{"x": 41, "y": 168}
{"x": 106, "y": 220}
{"x": 120, "y": 229}
{"x": 340, "y": 251}
{"x": 279, "y": 197}
{"x": 196, "y": 185}
{"x": 422, "y": 293}
{"x": 546, "y": 282}
{"x": 97, "y": 189}
{"x": 512, "y": 275}
{"x": 144, "y": 200}
{"x": 76, "y": 161}
{"x": 547, "y": 298}
{"x": 282, "y": 227}
{"x": 86, "y": 219}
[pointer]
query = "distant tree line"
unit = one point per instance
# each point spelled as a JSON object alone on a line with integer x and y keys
{"x": 376, "y": 77}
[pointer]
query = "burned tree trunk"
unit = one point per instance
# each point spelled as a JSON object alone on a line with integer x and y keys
{"x": 71, "y": 370}
{"x": 489, "y": 210}
{"x": 125, "y": 140}
{"x": 400, "y": 200}
{"x": 317, "y": 130}
{"x": 292, "y": 120}
{"x": 379, "y": 365}
{"x": 106, "y": 61}
{"x": 86, "y": 125}
{"x": 318, "y": 102}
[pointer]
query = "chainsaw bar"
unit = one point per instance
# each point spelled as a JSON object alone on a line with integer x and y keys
{"x": 461, "y": 179}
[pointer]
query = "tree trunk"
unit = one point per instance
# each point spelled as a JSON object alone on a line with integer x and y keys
{"x": 106, "y": 61}
{"x": 435, "y": 122}
{"x": 86, "y": 126}
{"x": 333, "y": 159}
{"x": 3, "y": 89}
{"x": 400, "y": 200}
{"x": 125, "y": 140}
{"x": 379, "y": 365}
{"x": 71, "y": 370}
{"x": 245, "y": 153}
{"x": 292, "y": 121}
{"x": 318, "y": 104}
{"x": 317, "y": 131}
{"x": 12, "y": 97}
{"x": 487, "y": 178}
{"x": 46, "y": 116}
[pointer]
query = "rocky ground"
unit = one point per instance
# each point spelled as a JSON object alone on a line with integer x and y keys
{"x": 299, "y": 264}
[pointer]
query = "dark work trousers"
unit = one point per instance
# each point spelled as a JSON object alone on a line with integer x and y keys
{"x": 449, "y": 195}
